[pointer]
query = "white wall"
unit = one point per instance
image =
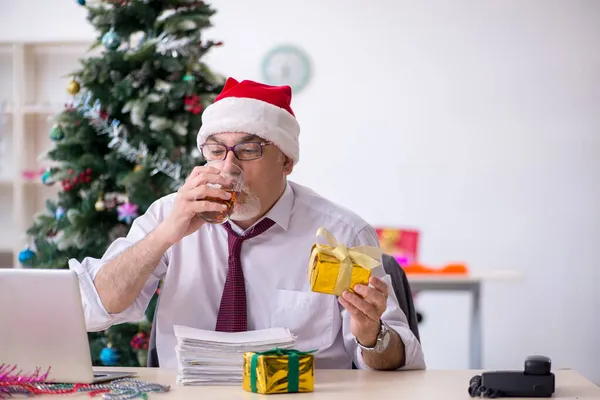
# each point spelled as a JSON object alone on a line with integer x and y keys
{"x": 476, "y": 122}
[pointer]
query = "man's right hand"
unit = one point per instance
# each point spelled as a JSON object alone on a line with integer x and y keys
{"x": 184, "y": 219}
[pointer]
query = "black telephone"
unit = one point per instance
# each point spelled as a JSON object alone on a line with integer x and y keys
{"x": 535, "y": 380}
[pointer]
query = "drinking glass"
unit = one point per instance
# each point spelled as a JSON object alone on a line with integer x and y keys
{"x": 235, "y": 176}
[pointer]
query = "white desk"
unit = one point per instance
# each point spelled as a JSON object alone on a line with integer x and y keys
{"x": 468, "y": 283}
{"x": 359, "y": 384}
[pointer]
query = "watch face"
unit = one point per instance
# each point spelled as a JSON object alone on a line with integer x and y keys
{"x": 386, "y": 339}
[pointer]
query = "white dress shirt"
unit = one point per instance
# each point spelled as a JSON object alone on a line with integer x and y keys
{"x": 275, "y": 265}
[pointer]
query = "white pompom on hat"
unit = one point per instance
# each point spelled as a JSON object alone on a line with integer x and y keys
{"x": 254, "y": 108}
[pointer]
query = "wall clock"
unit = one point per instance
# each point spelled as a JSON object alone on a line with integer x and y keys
{"x": 287, "y": 65}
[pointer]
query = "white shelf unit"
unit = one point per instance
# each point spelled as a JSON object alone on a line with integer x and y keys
{"x": 33, "y": 81}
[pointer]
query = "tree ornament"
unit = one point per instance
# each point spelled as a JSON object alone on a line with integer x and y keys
{"x": 27, "y": 257}
{"x": 99, "y": 205}
{"x": 59, "y": 213}
{"x": 139, "y": 343}
{"x": 47, "y": 178}
{"x": 81, "y": 178}
{"x": 109, "y": 356}
{"x": 193, "y": 104}
{"x": 127, "y": 212}
{"x": 188, "y": 77}
{"x": 81, "y": 2}
{"x": 56, "y": 133}
{"x": 111, "y": 40}
{"x": 137, "y": 168}
{"x": 73, "y": 87}
{"x": 68, "y": 184}
{"x": 84, "y": 177}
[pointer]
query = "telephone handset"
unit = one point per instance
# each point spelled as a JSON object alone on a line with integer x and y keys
{"x": 536, "y": 380}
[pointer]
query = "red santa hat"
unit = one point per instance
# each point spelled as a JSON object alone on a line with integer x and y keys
{"x": 257, "y": 109}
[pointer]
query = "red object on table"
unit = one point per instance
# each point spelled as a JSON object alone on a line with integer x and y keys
{"x": 403, "y": 244}
{"x": 449, "y": 269}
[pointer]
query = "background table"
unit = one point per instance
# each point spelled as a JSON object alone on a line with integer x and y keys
{"x": 468, "y": 283}
{"x": 358, "y": 384}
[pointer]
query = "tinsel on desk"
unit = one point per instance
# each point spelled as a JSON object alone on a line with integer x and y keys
{"x": 15, "y": 382}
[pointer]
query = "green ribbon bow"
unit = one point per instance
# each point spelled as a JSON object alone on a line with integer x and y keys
{"x": 293, "y": 366}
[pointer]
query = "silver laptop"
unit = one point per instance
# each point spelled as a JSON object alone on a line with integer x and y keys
{"x": 42, "y": 325}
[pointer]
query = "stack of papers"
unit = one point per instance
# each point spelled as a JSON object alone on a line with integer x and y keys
{"x": 217, "y": 358}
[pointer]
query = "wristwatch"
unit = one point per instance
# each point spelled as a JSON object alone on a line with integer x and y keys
{"x": 383, "y": 339}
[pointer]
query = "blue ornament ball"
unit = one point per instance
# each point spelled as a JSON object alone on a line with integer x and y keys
{"x": 47, "y": 178}
{"x": 58, "y": 214}
{"x": 56, "y": 133}
{"x": 26, "y": 257}
{"x": 81, "y": 2}
{"x": 109, "y": 356}
{"x": 111, "y": 40}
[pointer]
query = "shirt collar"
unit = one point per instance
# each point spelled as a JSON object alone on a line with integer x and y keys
{"x": 280, "y": 213}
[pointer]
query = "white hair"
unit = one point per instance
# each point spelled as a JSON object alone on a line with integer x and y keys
{"x": 248, "y": 208}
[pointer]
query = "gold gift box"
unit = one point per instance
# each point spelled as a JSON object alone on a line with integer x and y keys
{"x": 334, "y": 267}
{"x": 278, "y": 371}
{"x": 325, "y": 270}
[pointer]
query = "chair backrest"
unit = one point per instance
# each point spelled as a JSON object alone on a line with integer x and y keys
{"x": 152, "y": 361}
{"x": 401, "y": 289}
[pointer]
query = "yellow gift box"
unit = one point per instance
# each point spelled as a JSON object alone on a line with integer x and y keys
{"x": 334, "y": 267}
{"x": 278, "y": 371}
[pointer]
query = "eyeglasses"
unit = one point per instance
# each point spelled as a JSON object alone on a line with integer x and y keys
{"x": 243, "y": 151}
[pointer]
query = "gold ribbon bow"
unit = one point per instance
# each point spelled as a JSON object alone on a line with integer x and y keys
{"x": 368, "y": 257}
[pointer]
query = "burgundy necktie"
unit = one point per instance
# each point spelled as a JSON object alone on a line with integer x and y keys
{"x": 232, "y": 312}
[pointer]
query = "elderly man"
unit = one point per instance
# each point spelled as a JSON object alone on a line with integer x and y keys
{"x": 250, "y": 272}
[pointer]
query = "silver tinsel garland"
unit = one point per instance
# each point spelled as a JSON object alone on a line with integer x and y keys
{"x": 14, "y": 381}
{"x": 158, "y": 162}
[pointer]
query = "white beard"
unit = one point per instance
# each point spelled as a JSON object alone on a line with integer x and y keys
{"x": 250, "y": 208}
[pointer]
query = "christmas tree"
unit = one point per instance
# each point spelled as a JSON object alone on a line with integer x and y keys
{"x": 127, "y": 138}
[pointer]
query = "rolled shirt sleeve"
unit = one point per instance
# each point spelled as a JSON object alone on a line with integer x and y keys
{"x": 96, "y": 316}
{"x": 393, "y": 316}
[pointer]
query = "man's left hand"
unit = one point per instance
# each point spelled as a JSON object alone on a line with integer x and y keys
{"x": 366, "y": 311}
